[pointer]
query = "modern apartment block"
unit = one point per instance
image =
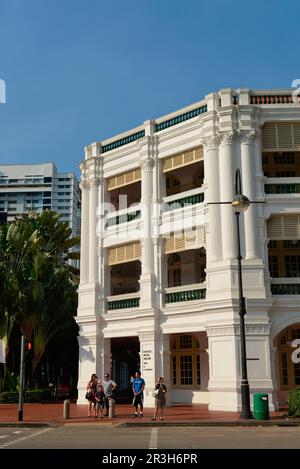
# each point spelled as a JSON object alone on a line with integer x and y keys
{"x": 39, "y": 187}
{"x": 159, "y": 273}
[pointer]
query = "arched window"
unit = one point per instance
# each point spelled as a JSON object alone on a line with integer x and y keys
{"x": 185, "y": 351}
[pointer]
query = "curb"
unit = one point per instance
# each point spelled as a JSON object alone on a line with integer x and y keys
{"x": 29, "y": 424}
{"x": 209, "y": 423}
{"x": 126, "y": 424}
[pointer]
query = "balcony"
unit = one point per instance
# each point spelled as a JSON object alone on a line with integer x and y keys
{"x": 182, "y": 211}
{"x": 183, "y": 293}
{"x": 183, "y": 199}
{"x": 126, "y": 301}
{"x": 123, "y": 216}
{"x": 285, "y": 286}
{"x": 278, "y": 186}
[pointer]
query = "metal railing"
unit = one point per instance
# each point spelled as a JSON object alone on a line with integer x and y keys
{"x": 185, "y": 293}
{"x": 130, "y": 300}
{"x": 124, "y": 218}
{"x": 181, "y": 118}
{"x": 123, "y": 141}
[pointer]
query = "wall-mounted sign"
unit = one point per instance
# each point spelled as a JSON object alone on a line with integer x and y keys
{"x": 147, "y": 358}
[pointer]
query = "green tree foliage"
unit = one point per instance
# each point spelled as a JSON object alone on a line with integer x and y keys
{"x": 37, "y": 283}
{"x": 294, "y": 403}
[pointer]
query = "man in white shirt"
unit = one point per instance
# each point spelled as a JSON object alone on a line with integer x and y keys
{"x": 108, "y": 386}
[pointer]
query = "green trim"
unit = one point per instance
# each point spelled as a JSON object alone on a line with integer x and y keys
{"x": 181, "y": 118}
{"x": 285, "y": 289}
{"x": 282, "y": 188}
{"x": 123, "y": 141}
{"x": 190, "y": 200}
{"x": 119, "y": 219}
{"x": 189, "y": 295}
{"x": 122, "y": 304}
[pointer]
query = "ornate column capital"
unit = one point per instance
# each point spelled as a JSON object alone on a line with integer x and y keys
{"x": 83, "y": 185}
{"x": 247, "y": 137}
{"x": 226, "y": 137}
{"x": 94, "y": 183}
{"x": 211, "y": 142}
{"x": 147, "y": 164}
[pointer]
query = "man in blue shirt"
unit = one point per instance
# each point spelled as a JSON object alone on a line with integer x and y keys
{"x": 138, "y": 386}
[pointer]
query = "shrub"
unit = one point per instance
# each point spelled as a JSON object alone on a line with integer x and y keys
{"x": 294, "y": 403}
{"x": 31, "y": 395}
{"x": 11, "y": 382}
{"x": 9, "y": 397}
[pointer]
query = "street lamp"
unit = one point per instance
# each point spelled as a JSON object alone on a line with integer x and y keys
{"x": 240, "y": 204}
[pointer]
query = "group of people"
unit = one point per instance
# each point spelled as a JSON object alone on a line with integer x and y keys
{"x": 100, "y": 392}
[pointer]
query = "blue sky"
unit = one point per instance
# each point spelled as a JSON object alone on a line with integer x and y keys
{"x": 77, "y": 71}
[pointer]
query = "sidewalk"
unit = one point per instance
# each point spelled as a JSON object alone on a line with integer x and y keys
{"x": 52, "y": 414}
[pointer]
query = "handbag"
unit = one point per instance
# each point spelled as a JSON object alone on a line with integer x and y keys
{"x": 155, "y": 393}
{"x": 88, "y": 395}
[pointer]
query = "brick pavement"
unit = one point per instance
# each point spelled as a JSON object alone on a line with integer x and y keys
{"x": 53, "y": 413}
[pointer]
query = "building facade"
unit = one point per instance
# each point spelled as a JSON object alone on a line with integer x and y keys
{"x": 159, "y": 279}
{"x": 39, "y": 187}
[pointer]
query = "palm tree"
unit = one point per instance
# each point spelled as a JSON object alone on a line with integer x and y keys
{"x": 37, "y": 283}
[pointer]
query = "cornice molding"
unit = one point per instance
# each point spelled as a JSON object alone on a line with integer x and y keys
{"x": 234, "y": 329}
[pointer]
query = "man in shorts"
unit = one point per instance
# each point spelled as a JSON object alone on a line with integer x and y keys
{"x": 138, "y": 386}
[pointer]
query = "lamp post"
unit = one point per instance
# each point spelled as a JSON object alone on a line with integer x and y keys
{"x": 240, "y": 204}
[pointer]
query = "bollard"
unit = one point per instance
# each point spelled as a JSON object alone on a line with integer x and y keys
{"x": 67, "y": 405}
{"x": 111, "y": 411}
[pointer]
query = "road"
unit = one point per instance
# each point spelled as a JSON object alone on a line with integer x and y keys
{"x": 107, "y": 437}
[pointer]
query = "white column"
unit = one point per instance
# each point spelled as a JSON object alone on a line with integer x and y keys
{"x": 147, "y": 276}
{"x": 89, "y": 352}
{"x": 93, "y": 205}
{"x": 166, "y": 366}
{"x": 150, "y": 363}
{"x": 146, "y": 200}
{"x": 84, "y": 254}
{"x": 226, "y": 195}
{"x": 248, "y": 189}
{"x": 223, "y": 367}
{"x": 211, "y": 174}
{"x": 105, "y": 358}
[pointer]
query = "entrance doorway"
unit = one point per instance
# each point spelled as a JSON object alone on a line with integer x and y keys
{"x": 125, "y": 362}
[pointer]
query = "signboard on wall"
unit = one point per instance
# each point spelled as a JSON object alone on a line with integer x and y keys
{"x": 147, "y": 358}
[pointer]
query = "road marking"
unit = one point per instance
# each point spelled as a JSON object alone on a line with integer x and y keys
{"x": 17, "y": 431}
{"x": 3, "y": 436}
{"x": 153, "y": 444}
{"x": 5, "y": 445}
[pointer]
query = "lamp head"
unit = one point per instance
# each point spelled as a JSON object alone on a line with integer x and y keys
{"x": 240, "y": 203}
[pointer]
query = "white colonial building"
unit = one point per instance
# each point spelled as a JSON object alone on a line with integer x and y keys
{"x": 159, "y": 285}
